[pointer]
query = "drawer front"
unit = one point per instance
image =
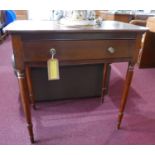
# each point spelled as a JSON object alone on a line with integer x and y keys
{"x": 78, "y": 50}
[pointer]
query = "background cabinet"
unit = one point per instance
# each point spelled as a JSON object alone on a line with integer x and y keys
{"x": 21, "y": 14}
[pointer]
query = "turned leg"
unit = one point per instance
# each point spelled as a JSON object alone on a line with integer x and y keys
{"x": 128, "y": 80}
{"x": 29, "y": 83}
{"x": 25, "y": 102}
{"x": 104, "y": 84}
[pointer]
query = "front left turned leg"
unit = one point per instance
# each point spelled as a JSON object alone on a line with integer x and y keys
{"x": 25, "y": 102}
{"x": 127, "y": 83}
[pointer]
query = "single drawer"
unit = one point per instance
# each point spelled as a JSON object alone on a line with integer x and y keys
{"x": 78, "y": 50}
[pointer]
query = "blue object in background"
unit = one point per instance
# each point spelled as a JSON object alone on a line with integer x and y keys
{"x": 10, "y": 16}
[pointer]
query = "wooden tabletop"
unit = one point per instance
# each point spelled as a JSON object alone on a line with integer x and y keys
{"x": 29, "y": 25}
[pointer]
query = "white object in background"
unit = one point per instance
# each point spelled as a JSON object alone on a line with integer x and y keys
{"x": 39, "y": 14}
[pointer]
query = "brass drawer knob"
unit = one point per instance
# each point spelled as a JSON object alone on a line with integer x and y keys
{"x": 111, "y": 50}
{"x": 52, "y": 52}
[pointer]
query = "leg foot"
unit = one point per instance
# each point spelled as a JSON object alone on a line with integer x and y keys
{"x": 30, "y": 129}
{"x": 120, "y": 116}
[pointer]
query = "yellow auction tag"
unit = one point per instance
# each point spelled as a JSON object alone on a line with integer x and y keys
{"x": 53, "y": 69}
